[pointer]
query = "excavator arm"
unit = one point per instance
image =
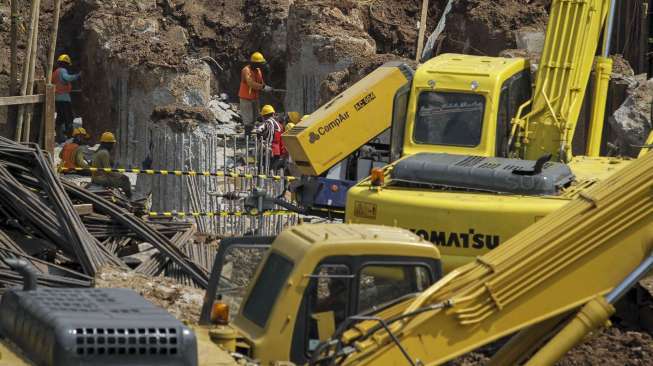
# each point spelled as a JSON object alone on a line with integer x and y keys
{"x": 573, "y": 33}
{"x": 534, "y": 283}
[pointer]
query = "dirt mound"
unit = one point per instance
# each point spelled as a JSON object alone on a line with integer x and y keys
{"x": 487, "y": 27}
{"x": 621, "y": 66}
{"x": 181, "y": 118}
{"x": 610, "y": 347}
{"x": 508, "y": 15}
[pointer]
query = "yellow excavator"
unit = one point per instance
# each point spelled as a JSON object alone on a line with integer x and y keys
{"x": 477, "y": 153}
{"x": 547, "y": 287}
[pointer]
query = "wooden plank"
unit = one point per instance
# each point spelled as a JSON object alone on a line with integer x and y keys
{"x": 421, "y": 30}
{"x": 22, "y": 99}
{"x": 48, "y": 119}
{"x": 84, "y": 209}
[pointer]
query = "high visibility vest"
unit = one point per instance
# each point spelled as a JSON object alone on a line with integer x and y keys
{"x": 277, "y": 146}
{"x": 245, "y": 92}
{"x": 68, "y": 155}
{"x": 60, "y": 86}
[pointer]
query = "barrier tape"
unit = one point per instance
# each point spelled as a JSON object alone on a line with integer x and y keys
{"x": 179, "y": 173}
{"x": 221, "y": 213}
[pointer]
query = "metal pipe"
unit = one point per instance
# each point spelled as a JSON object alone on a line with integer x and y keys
{"x": 609, "y": 28}
{"x": 630, "y": 280}
{"x": 25, "y": 269}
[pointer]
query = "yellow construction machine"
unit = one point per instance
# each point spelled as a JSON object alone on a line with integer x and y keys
{"x": 311, "y": 279}
{"x": 548, "y": 287}
{"x": 479, "y": 155}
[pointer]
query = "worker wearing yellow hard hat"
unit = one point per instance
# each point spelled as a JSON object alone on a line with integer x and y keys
{"x": 62, "y": 80}
{"x": 102, "y": 160}
{"x": 72, "y": 153}
{"x": 267, "y": 110}
{"x": 251, "y": 84}
{"x": 271, "y": 130}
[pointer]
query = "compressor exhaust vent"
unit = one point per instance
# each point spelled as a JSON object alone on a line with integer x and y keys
{"x": 75, "y": 327}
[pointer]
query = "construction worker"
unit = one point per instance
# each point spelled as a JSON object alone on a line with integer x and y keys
{"x": 251, "y": 84}
{"x": 102, "y": 160}
{"x": 271, "y": 130}
{"x": 62, "y": 80}
{"x": 72, "y": 153}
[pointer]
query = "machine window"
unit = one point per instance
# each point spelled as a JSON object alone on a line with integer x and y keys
{"x": 267, "y": 288}
{"x": 514, "y": 92}
{"x": 379, "y": 284}
{"x": 449, "y": 119}
{"x": 503, "y": 123}
{"x": 328, "y": 302}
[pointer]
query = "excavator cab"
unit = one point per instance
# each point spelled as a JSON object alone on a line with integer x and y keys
{"x": 313, "y": 278}
{"x": 461, "y": 104}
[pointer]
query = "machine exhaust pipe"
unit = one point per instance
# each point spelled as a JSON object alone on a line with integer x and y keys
{"x": 25, "y": 269}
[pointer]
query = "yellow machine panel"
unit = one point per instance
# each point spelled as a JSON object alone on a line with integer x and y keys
{"x": 463, "y": 225}
{"x": 347, "y": 122}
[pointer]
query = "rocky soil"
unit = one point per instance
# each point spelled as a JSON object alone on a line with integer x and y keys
{"x": 184, "y": 302}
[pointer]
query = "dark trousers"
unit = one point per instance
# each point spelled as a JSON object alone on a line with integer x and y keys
{"x": 64, "y": 122}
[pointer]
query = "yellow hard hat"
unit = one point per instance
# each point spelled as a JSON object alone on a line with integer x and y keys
{"x": 304, "y": 118}
{"x": 80, "y": 131}
{"x": 65, "y": 58}
{"x": 294, "y": 117}
{"x": 107, "y": 137}
{"x": 257, "y": 57}
{"x": 267, "y": 109}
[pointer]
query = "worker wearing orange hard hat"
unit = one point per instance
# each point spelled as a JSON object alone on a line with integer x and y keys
{"x": 102, "y": 160}
{"x": 251, "y": 85}
{"x": 62, "y": 80}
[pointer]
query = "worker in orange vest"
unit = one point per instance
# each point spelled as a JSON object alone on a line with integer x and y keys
{"x": 251, "y": 84}
{"x": 72, "y": 153}
{"x": 62, "y": 80}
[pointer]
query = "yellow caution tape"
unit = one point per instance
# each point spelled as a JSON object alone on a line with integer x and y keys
{"x": 221, "y": 213}
{"x": 179, "y": 173}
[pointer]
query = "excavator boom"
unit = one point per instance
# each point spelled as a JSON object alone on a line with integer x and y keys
{"x": 568, "y": 259}
{"x": 572, "y": 36}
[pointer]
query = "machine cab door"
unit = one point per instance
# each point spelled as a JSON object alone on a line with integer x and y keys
{"x": 343, "y": 287}
{"x": 515, "y": 91}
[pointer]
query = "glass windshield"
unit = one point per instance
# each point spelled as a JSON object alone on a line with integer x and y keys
{"x": 268, "y": 285}
{"x": 449, "y": 119}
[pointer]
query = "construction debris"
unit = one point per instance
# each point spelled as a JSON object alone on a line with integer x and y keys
{"x": 183, "y": 302}
{"x": 40, "y": 223}
{"x": 223, "y": 112}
